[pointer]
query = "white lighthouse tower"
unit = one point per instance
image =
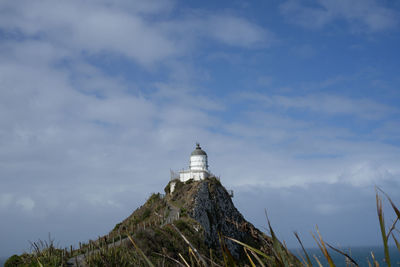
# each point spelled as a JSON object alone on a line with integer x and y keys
{"x": 198, "y": 167}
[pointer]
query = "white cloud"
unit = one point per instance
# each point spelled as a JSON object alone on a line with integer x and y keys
{"x": 367, "y": 174}
{"x": 26, "y": 203}
{"x": 364, "y": 15}
{"x": 341, "y": 211}
{"x": 265, "y": 80}
{"x": 305, "y": 51}
{"x": 11, "y": 200}
{"x": 238, "y": 31}
{"x": 5, "y": 200}
{"x": 327, "y": 208}
{"x": 295, "y": 12}
{"x": 90, "y": 27}
{"x": 331, "y": 104}
{"x": 337, "y": 104}
{"x": 123, "y": 28}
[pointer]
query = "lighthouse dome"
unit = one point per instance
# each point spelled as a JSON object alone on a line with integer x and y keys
{"x": 198, "y": 151}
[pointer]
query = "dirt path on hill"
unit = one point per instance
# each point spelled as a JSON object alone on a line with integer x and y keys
{"x": 80, "y": 259}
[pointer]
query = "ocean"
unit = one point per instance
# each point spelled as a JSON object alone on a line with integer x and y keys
{"x": 360, "y": 254}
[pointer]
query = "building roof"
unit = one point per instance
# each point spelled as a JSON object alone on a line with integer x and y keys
{"x": 198, "y": 151}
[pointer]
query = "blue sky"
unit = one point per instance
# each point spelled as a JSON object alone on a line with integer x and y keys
{"x": 295, "y": 102}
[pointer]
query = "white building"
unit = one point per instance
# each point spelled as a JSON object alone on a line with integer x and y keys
{"x": 198, "y": 166}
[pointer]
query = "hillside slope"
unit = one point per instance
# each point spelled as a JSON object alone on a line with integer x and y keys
{"x": 190, "y": 226}
{"x": 203, "y": 211}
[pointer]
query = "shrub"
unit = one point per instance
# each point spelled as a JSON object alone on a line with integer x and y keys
{"x": 13, "y": 261}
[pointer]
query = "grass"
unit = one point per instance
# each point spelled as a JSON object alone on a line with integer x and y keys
{"x": 177, "y": 244}
{"x": 44, "y": 253}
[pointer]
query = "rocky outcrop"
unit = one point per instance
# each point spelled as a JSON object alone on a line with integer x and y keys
{"x": 197, "y": 214}
{"x": 213, "y": 209}
{"x": 206, "y": 208}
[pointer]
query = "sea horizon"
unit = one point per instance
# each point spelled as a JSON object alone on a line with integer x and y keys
{"x": 361, "y": 254}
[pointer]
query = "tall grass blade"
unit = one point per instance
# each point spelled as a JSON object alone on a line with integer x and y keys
{"x": 392, "y": 228}
{"x": 228, "y": 258}
{"x": 304, "y": 250}
{"x": 283, "y": 256}
{"x": 258, "y": 259}
{"x": 140, "y": 251}
{"x": 187, "y": 264}
{"x": 248, "y": 256}
{"x": 344, "y": 254}
{"x": 190, "y": 245}
{"x": 376, "y": 264}
{"x": 211, "y": 258}
{"x": 396, "y": 210}
{"x": 397, "y": 242}
{"x": 323, "y": 249}
{"x": 318, "y": 262}
{"x": 168, "y": 257}
{"x": 191, "y": 257}
{"x": 303, "y": 259}
{"x": 259, "y": 252}
{"x": 379, "y": 208}
{"x": 316, "y": 241}
{"x": 328, "y": 257}
{"x": 195, "y": 257}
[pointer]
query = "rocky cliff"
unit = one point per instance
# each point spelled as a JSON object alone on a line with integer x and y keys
{"x": 203, "y": 211}
{"x": 193, "y": 225}
{"x": 209, "y": 204}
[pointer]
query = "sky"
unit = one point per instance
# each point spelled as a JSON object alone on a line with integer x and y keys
{"x": 297, "y": 104}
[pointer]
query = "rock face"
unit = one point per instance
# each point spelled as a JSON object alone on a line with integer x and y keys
{"x": 214, "y": 211}
{"x": 211, "y": 206}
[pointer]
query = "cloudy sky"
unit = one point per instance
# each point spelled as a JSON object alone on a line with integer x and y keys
{"x": 297, "y": 104}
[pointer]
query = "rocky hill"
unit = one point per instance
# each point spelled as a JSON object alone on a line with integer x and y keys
{"x": 203, "y": 212}
{"x": 210, "y": 205}
{"x": 194, "y": 223}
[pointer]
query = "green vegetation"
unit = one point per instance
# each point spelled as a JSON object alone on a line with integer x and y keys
{"x": 44, "y": 253}
{"x": 180, "y": 243}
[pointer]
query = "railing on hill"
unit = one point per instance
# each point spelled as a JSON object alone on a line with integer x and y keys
{"x": 174, "y": 175}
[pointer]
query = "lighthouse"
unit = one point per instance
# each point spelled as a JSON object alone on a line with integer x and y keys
{"x": 198, "y": 166}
